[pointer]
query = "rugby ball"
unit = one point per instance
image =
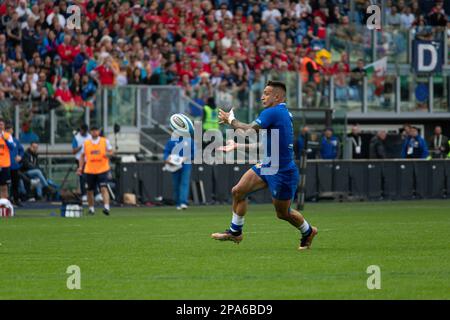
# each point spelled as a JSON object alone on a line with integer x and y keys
{"x": 181, "y": 124}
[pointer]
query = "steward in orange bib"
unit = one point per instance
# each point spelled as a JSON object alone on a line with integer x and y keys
{"x": 94, "y": 162}
{"x": 6, "y": 146}
{"x": 309, "y": 69}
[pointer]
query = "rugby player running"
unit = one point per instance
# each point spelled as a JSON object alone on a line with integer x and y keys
{"x": 282, "y": 182}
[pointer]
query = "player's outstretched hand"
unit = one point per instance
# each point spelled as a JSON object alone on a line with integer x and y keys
{"x": 231, "y": 145}
{"x": 226, "y": 117}
{"x": 223, "y": 116}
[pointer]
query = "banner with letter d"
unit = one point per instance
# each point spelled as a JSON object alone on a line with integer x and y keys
{"x": 427, "y": 56}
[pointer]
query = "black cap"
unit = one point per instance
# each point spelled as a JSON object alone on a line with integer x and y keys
{"x": 84, "y": 127}
{"x": 94, "y": 127}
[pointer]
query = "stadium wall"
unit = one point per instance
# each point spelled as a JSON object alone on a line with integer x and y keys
{"x": 339, "y": 180}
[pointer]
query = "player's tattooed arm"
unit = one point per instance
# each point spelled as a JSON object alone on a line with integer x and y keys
{"x": 244, "y": 127}
{"x": 241, "y": 127}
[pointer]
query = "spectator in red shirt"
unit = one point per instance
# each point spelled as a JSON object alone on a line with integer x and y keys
{"x": 191, "y": 46}
{"x": 3, "y": 8}
{"x": 105, "y": 74}
{"x": 317, "y": 32}
{"x": 326, "y": 69}
{"x": 91, "y": 14}
{"x": 66, "y": 51}
{"x": 76, "y": 89}
{"x": 239, "y": 17}
{"x": 344, "y": 61}
{"x": 64, "y": 96}
{"x": 323, "y": 11}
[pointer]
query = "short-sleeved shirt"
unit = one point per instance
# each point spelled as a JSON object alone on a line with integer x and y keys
{"x": 106, "y": 75}
{"x": 78, "y": 141}
{"x": 65, "y": 95}
{"x": 278, "y": 117}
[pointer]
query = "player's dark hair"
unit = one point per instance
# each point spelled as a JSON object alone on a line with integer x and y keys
{"x": 276, "y": 84}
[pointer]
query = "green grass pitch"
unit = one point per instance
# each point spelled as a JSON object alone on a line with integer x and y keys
{"x": 159, "y": 253}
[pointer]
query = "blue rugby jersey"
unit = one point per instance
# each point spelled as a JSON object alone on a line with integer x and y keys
{"x": 278, "y": 117}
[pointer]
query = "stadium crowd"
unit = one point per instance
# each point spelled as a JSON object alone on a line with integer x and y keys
{"x": 203, "y": 46}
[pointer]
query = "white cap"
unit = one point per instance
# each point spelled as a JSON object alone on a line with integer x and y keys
{"x": 107, "y": 38}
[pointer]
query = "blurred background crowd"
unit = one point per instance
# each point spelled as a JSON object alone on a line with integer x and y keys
{"x": 202, "y": 46}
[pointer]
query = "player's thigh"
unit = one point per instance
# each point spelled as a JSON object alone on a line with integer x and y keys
{"x": 102, "y": 179}
{"x": 249, "y": 182}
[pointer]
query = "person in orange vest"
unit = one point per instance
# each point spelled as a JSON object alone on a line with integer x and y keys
{"x": 6, "y": 147}
{"x": 309, "y": 68}
{"x": 94, "y": 162}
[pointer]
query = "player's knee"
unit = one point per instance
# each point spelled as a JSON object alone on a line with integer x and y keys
{"x": 236, "y": 192}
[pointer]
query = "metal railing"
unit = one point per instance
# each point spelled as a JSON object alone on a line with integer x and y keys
{"x": 42, "y": 121}
{"x": 144, "y": 107}
{"x": 367, "y": 97}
